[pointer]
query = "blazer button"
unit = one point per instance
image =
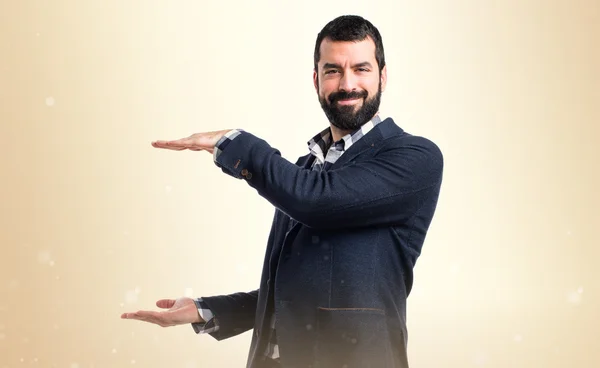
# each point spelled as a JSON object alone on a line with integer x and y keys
{"x": 244, "y": 172}
{"x": 249, "y": 176}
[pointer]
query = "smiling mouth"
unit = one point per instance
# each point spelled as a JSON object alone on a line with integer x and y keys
{"x": 350, "y": 101}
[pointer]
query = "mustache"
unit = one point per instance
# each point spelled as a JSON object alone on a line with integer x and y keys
{"x": 342, "y": 95}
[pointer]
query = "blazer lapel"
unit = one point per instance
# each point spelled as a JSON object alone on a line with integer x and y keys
{"x": 380, "y": 132}
{"x": 369, "y": 141}
{"x": 305, "y": 161}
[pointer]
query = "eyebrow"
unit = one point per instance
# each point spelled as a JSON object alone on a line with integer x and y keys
{"x": 338, "y": 66}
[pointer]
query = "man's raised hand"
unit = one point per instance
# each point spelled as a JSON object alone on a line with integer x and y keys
{"x": 195, "y": 142}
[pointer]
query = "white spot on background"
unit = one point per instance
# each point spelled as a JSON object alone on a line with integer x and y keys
{"x": 131, "y": 297}
{"x": 114, "y": 351}
{"x": 480, "y": 359}
{"x": 132, "y": 361}
{"x": 168, "y": 189}
{"x": 189, "y": 292}
{"x": 137, "y": 290}
{"x": 51, "y": 263}
{"x": 50, "y": 101}
{"x": 518, "y": 338}
{"x": 44, "y": 257}
{"x": 575, "y": 297}
{"x": 556, "y": 350}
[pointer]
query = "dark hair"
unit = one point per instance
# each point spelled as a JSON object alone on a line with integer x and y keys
{"x": 350, "y": 28}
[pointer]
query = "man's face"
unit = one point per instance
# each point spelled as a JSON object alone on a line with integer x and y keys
{"x": 348, "y": 82}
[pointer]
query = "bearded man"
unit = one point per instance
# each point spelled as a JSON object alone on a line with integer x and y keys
{"x": 350, "y": 221}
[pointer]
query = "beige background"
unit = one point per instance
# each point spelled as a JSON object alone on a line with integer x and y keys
{"x": 96, "y": 222}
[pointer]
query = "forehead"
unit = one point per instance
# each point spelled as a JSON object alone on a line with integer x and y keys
{"x": 354, "y": 51}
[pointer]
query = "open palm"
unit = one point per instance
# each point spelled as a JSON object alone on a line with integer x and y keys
{"x": 179, "y": 311}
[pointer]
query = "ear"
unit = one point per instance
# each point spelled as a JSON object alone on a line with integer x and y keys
{"x": 383, "y": 78}
{"x": 316, "y": 80}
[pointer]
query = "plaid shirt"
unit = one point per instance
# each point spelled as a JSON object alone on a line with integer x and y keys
{"x": 326, "y": 154}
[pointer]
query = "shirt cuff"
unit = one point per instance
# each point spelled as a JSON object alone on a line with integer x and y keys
{"x": 210, "y": 325}
{"x": 224, "y": 141}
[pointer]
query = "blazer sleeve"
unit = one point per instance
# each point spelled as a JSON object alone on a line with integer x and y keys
{"x": 234, "y": 313}
{"x": 388, "y": 188}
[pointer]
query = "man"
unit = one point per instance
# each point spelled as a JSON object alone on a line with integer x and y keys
{"x": 350, "y": 220}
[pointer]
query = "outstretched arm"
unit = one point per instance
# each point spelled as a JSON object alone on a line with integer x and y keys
{"x": 387, "y": 189}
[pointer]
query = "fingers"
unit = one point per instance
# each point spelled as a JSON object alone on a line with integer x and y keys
{"x": 148, "y": 316}
{"x": 168, "y": 145}
{"x": 139, "y": 315}
{"x": 179, "y": 145}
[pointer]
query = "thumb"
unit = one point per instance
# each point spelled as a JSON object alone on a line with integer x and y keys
{"x": 165, "y": 303}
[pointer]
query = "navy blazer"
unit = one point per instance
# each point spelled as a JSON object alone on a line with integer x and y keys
{"x": 338, "y": 279}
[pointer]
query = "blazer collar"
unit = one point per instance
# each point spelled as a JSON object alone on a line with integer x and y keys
{"x": 380, "y": 132}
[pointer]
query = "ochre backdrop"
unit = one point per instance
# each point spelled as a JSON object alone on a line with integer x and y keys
{"x": 96, "y": 222}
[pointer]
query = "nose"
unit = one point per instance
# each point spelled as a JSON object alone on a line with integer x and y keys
{"x": 347, "y": 82}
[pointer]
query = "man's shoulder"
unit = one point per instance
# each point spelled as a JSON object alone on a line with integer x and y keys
{"x": 396, "y": 137}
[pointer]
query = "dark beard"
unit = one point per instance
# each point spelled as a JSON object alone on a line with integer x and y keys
{"x": 344, "y": 117}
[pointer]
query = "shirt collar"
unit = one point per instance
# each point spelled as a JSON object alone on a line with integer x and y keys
{"x": 321, "y": 142}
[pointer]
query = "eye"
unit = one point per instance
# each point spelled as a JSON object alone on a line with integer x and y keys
{"x": 363, "y": 69}
{"x": 330, "y": 71}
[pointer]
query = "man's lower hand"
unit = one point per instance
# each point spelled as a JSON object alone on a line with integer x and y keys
{"x": 180, "y": 311}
